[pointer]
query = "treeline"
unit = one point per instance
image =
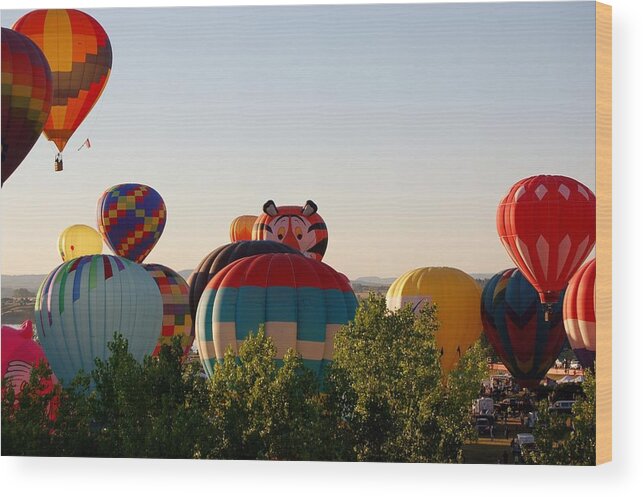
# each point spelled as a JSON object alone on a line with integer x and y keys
{"x": 382, "y": 399}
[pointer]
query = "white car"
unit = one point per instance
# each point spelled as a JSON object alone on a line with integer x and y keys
{"x": 574, "y": 364}
{"x": 525, "y": 438}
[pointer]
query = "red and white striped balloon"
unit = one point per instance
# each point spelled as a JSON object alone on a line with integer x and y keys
{"x": 579, "y": 314}
{"x": 548, "y": 226}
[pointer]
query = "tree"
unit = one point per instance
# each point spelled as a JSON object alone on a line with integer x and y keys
{"x": 157, "y": 408}
{"x": 568, "y": 439}
{"x": 152, "y": 409}
{"x": 20, "y": 293}
{"x": 26, "y": 415}
{"x": 383, "y": 399}
{"x": 387, "y": 386}
{"x": 260, "y": 409}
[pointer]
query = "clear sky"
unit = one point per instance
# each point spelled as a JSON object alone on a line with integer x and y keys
{"x": 406, "y": 124}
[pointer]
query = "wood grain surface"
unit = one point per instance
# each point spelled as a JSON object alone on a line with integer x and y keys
{"x": 604, "y": 233}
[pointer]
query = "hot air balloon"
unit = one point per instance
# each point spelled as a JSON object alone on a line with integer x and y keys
{"x": 80, "y": 56}
{"x": 301, "y": 302}
{"x": 514, "y": 322}
{"x": 26, "y": 98}
{"x": 457, "y": 296}
{"x": 219, "y": 258}
{"x": 299, "y": 227}
{"x": 177, "y": 320}
{"x": 548, "y": 226}
{"x": 241, "y": 228}
{"x": 20, "y": 354}
{"x": 78, "y": 240}
{"x": 83, "y": 302}
{"x": 131, "y": 218}
{"x": 579, "y": 314}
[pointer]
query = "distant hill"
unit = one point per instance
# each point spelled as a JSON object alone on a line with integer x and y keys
{"x": 373, "y": 281}
{"x": 11, "y": 282}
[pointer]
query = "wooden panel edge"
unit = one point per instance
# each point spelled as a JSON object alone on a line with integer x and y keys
{"x": 603, "y": 233}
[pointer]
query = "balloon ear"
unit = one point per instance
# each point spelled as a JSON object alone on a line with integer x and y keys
{"x": 309, "y": 209}
{"x": 270, "y": 208}
{"x": 26, "y": 330}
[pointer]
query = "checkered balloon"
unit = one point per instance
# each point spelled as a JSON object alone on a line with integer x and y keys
{"x": 131, "y": 218}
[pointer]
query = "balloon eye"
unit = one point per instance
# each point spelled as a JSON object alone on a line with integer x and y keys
{"x": 300, "y": 236}
{"x": 280, "y": 236}
{"x": 72, "y": 247}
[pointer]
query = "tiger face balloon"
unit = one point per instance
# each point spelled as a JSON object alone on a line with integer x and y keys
{"x": 298, "y": 227}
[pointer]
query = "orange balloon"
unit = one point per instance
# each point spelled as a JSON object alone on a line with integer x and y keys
{"x": 80, "y": 57}
{"x": 241, "y": 228}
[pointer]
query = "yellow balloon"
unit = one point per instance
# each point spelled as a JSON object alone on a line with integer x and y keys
{"x": 78, "y": 240}
{"x": 241, "y": 228}
{"x": 457, "y": 296}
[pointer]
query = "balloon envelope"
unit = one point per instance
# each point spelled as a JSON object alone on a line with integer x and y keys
{"x": 457, "y": 296}
{"x": 131, "y": 218}
{"x": 177, "y": 320}
{"x": 579, "y": 314}
{"x": 80, "y": 56}
{"x": 83, "y": 302}
{"x": 20, "y": 354}
{"x": 301, "y": 302}
{"x": 219, "y": 258}
{"x": 241, "y": 228}
{"x": 78, "y": 240}
{"x": 26, "y": 98}
{"x": 514, "y": 323}
{"x": 299, "y": 227}
{"x": 547, "y": 224}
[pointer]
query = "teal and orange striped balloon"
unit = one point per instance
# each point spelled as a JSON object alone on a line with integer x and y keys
{"x": 301, "y": 302}
{"x": 80, "y": 56}
{"x": 26, "y": 98}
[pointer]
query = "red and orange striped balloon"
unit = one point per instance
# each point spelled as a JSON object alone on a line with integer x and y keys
{"x": 579, "y": 314}
{"x": 80, "y": 56}
{"x": 26, "y": 98}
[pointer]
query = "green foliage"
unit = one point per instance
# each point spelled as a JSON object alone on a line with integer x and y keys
{"x": 568, "y": 439}
{"x": 386, "y": 384}
{"x": 262, "y": 411}
{"x": 384, "y": 399}
{"x": 153, "y": 409}
{"x": 123, "y": 409}
{"x": 26, "y": 422}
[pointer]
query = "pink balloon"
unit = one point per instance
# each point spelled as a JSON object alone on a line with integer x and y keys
{"x": 20, "y": 354}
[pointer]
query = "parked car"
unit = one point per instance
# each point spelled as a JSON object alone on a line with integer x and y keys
{"x": 523, "y": 443}
{"x": 562, "y": 406}
{"x": 574, "y": 364}
{"x": 483, "y": 424}
{"x": 483, "y": 405}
